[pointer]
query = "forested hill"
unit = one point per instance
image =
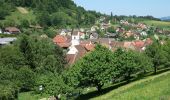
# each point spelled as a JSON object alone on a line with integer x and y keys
{"x": 60, "y": 13}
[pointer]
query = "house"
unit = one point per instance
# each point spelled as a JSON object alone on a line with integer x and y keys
{"x": 143, "y": 33}
{"x": 119, "y": 30}
{"x": 78, "y": 51}
{"x": 6, "y": 41}
{"x": 82, "y": 35}
{"x": 115, "y": 44}
{"x": 71, "y": 55}
{"x": 105, "y": 42}
{"x": 128, "y": 34}
{"x": 148, "y": 41}
{"x": 75, "y": 38}
{"x": 81, "y": 51}
{"x": 75, "y": 53}
{"x": 62, "y": 41}
{"x": 94, "y": 35}
{"x": 128, "y": 45}
{"x": 64, "y": 32}
{"x": 124, "y": 22}
{"x": 104, "y": 26}
{"x": 111, "y": 35}
{"x": 90, "y": 47}
{"x": 11, "y": 30}
{"x": 139, "y": 45}
{"x": 142, "y": 26}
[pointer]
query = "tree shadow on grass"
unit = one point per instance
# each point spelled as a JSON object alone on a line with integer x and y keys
{"x": 115, "y": 86}
{"x": 96, "y": 93}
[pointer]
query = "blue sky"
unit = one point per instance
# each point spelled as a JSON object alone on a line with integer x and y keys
{"x": 156, "y": 8}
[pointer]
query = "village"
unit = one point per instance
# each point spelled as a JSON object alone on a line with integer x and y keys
{"x": 78, "y": 42}
{"x": 84, "y": 50}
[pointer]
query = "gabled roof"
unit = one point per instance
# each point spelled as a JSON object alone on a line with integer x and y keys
{"x": 12, "y": 29}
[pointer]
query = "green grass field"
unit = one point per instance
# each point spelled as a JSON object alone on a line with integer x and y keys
{"x": 152, "y": 88}
{"x": 31, "y": 96}
{"x": 20, "y": 14}
{"x": 160, "y": 24}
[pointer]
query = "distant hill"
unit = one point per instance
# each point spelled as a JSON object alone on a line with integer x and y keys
{"x": 165, "y": 18}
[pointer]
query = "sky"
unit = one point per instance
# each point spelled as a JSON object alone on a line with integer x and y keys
{"x": 156, "y": 8}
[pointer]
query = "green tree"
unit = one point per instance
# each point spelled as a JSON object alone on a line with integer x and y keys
{"x": 95, "y": 69}
{"x": 130, "y": 63}
{"x": 157, "y": 54}
{"x": 53, "y": 84}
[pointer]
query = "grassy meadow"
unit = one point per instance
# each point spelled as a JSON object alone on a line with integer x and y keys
{"x": 160, "y": 24}
{"x": 152, "y": 88}
{"x": 18, "y": 15}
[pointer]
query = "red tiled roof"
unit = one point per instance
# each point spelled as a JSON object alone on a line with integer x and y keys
{"x": 64, "y": 45}
{"x": 89, "y": 47}
{"x": 139, "y": 44}
{"x": 84, "y": 42}
{"x": 60, "y": 39}
{"x": 127, "y": 44}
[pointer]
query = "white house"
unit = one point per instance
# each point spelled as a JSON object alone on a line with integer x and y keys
{"x": 75, "y": 38}
{"x": 64, "y": 32}
{"x": 143, "y": 33}
{"x": 72, "y": 50}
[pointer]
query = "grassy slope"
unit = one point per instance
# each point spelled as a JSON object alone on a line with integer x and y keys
{"x": 17, "y": 16}
{"x": 161, "y": 24}
{"x": 151, "y": 88}
{"x": 30, "y": 96}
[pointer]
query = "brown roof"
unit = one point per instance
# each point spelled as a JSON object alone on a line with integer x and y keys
{"x": 89, "y": 47}
{"x": 12, "y": 29}
{"x": 84, "y": 42}
{"x": 81, "y": 51}
{"x": 71, "y": 58}
{"x": 64, "y": 45}
{"x": 116, "y": 44}
{"x": 75, "y": 32}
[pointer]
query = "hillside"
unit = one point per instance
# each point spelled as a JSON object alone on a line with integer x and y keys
{"x": 20, "y": 14}
{"x": 58, "y": 13}
{"x": 154, "y": 87}
{"x": 160, "y": 24}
